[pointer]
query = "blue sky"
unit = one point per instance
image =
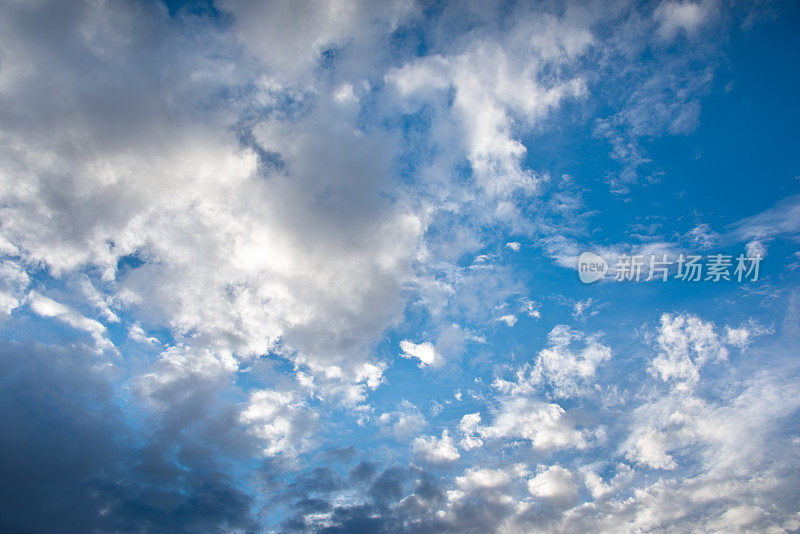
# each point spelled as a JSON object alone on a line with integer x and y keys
{"x": 313, "y": 266}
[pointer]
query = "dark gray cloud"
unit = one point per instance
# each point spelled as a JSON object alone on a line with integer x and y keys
{"x": 69, "y": 464}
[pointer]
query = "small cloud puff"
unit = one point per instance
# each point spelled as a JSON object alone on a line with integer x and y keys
{"x": 509, "y": 319}
{"x": 436, "y": 450}
{"x": 425, "y": 352}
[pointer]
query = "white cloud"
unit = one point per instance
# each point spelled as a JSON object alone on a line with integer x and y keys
{"x": 713, "y": 429}
{"x": 686, "y": 344}
{"x": 673, "y": 17}
{"x": 702, "y": 237}
{"x": 600, "y": 489}
{"x": 289, "y": 36}
{"x": 565, "y": 368}
{"x": 477, "y": 479}
{"x": 307, "y": 258}
{"x": 246, "y": 207}
{"x": 563, "y": 365}
{"x": 468, "y": 426}
{"x": 650, "y": 449}
{"x": 755, "y": 248}
{"x": 137, "y": 333}
{"x": 346, "y": 386}
{"x": 452, "y": 341}
{"x": 743, "y": 335}
{"x": 282, "y": 422}
{"x": 530, "y": 308}
{"x": 184, "y": 375}
{"x": 781, "y": 219}
{"x": 494, "y": 84}
{"x": 556, "y": 483}
{"x": 581, "y": 307}
{"x": 509, "y": 319}
{"x": 49, "y": 308}
{"x": 719, "y": 459}
{"x": 659, "y": 97}
{"x": 403, "y": 423}
{"x": 742, "y": 519}
{"x": 13, "y": 283}
{"x": 436, "y": 450}
{"x": 424, "y": 352}
{"x": 546, "y": 426}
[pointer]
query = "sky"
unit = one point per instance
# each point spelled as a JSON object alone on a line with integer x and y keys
{"x": 323, "y": 266}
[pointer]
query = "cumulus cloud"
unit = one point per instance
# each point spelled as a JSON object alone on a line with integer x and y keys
{"x": 478, "y": 478}
{"x": 554, "y": 483}
{"x": 49, "y": 308}
{"x": 687, "y": 343}
{"x": 424, "y": 352}
{"x": 567, "y": 369}
{"x": 490, "y": 86}
{"x": 711, "y": 478}
{"x": 218, "y": 254}
{"x": 281, "y": 421}
{"x": 510, "y": 320}
{"x": 682, "y": 419}
{"x": 468, "y": 426}
{"x": 249, "y": 200}
{"x": 436, "y": 450}
{"x": 546, "y": 426}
